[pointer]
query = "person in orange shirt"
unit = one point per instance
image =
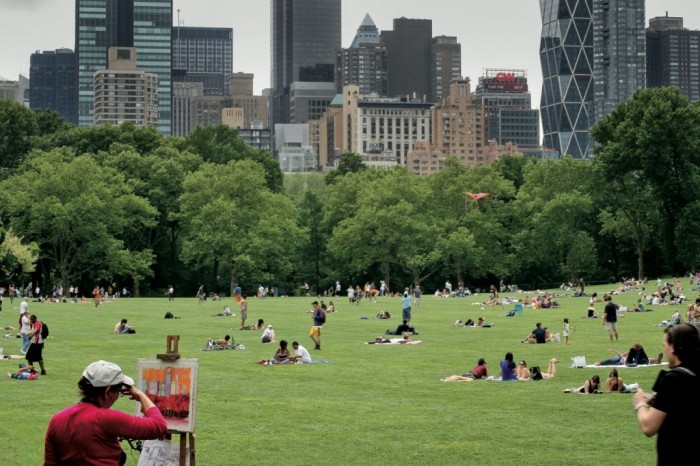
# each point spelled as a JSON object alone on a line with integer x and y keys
{"x": 96, "y": 295}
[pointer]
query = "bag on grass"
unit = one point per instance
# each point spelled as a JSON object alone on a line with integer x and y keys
{"x": 578, "y": 361}
{"x": 536, "y": 373}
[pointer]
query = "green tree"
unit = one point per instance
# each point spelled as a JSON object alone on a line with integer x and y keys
{"x": 17, "y": 128}
{"x": 220, "y": 144}
{"x": 350, "y": 162}
{"x": 232, "y": 220}
{"x": 76, "y": 211}
{"x": 655, "y": 139}
{"x": 16, "y": 258}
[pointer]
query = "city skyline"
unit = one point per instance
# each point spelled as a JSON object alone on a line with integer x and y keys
{"x": 31, "y": 25}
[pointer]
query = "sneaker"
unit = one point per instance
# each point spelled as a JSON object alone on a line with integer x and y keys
{"x": 22, "y": 351}
{"x": 43, "y": 372}
{"x": 318, "y": 347}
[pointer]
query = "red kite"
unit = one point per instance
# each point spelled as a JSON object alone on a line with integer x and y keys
{"x": 476, "y": 196}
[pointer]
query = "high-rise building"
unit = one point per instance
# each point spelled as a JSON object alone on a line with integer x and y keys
{"x": 408, "y": 46}
{"x": 445, "y": 65}
{"x": 10, "y": 90}
{"x": 123, "y": 93}
{"x": 54, "y": 83}
{"x": 619, "y": 53}
{"x": 309, "y": 100}
{"x": 673, "y": 56}
{"x": 566, "y": 56}
{"x": 203, "y": 54}
{"x": 101, "y": 24}
{"x": 305, "y": 36}
{"x": 364, "y": 63}
{"x": 505, "y": 99}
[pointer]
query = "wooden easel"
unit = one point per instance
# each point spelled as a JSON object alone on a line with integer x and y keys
{"x": 172, "y": 354}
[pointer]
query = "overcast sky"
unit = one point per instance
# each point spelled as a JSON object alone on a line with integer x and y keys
{"x": 493, "y": 33}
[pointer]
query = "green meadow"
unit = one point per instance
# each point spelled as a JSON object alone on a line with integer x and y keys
{"x": 369, "y": 404}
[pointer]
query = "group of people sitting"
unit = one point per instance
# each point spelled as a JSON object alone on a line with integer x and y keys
{"x": 509, "y": 371}
{"x": 541, "y": 335}
{"x": 283, "y": 355}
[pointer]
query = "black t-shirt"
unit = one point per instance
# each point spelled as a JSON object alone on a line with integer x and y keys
{"x": 539, "y": 335}
{"x": 675, "y": 391}
{"x": 611, "y": 312}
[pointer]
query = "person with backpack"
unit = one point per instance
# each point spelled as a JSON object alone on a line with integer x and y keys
{"x": 36, "y": 345}
{"x": 319, "y": 317}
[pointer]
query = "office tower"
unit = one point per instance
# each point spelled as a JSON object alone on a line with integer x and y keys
{"x": 10, "y": 90}
{"x": 54, "y": 83}
{"x": 566, "y": 56}
{"x": 309, "y": 100}
{"x": 305, "y": 36}
{"x": 123, "y": 93}
{"x": 184, "y": 97}
{"x": 445, "y": 65}
{"x": 619, "y": 53}
{"x": 507, "y": 105}
{"x": 203, "y": 54}
{"x": 408, "y": 47}
{"x": 673, "y": 56}
{"x": 255, "y": 107}
{"x": 101, "y": 24}
{"x": 365, "y": 63}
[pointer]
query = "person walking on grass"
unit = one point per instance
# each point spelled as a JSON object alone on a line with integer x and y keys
{"x": 565, "y": 331}
{"x": 243, "y": 306}
{"x": 319, "y": 317}
{"x": 610, "y": 318}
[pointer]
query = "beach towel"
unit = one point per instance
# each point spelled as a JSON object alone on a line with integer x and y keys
{"x": 394, "y": 341}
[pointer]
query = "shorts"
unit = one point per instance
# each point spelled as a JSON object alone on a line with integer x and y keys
{"x": 315, "y": 331}
{"x": 34, "y": 353}
{"x": 611, "y": 326}
{"x": 244, "y": 314}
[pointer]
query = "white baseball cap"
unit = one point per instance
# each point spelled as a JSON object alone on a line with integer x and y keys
{"x": 105, "y": 374}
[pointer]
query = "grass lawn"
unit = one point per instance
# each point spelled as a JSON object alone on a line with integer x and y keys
{"x": 371, "y": 404}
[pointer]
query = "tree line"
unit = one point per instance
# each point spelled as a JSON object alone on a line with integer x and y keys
{"x": 126, "y": 205}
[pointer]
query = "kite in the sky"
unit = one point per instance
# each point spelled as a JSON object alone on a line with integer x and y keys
{"x": 476, "y": 196}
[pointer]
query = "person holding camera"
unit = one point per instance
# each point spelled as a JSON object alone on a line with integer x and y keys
{"x": 671, "y": 405}
{"x": 89, "y": 431}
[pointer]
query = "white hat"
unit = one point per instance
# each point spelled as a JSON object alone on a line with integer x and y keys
{"x": 269, "y": 326}
{"x": 105, "y": 374}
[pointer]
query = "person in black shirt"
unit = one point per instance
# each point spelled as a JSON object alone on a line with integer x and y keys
{"x": 538, "y": 335}
{"x": 610, "y": 318}
{"x": 672, "y": 404}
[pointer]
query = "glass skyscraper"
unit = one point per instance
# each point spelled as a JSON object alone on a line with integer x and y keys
{"x": 146, "y": 25}
{"x": 619, "y": 58}
{"x": 203, "y": 54}
{"x": 305, "y": 36}
{"x": 566, "y": 56}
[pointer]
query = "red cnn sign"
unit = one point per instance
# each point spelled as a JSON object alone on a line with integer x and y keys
{"x": 505, "y": 78}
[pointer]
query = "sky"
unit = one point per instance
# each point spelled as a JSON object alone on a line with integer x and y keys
{"x": 501, "y": 34}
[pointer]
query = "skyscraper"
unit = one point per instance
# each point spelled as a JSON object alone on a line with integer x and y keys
{"x": 619, "y": 58}
{"x": 445, "y": 65}
{"x": 54, "y": 83}
{"x": 408, "y": 46}
{"x": 673, "y": 56}
{"x": 364, "y": 63}
{"x": 566, "y": 56}
{"x": 203, "y": 54}
{"x": 101, "y": 24}
{"x": 305, "y": 36}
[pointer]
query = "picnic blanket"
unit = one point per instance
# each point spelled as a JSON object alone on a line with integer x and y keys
{"x": 395, "y": 341}
{"x": 623, "y": 366}
{"x": 266, "y": 362}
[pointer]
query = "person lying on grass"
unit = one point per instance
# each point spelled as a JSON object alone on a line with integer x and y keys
{"x": 480, "y": 371}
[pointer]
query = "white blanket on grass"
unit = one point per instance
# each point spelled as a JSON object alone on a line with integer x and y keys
{"x": 623, "y": 366}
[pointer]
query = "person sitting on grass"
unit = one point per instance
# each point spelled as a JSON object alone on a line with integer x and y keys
{"x": 24, "y": 372}
{"x": 383, "y": 315}
{"x": 480, "y": 371}
{"x": 404, "y": 327}
{"x": 224, "y": 313}
{"x": 508, "y": 368}
{"x": 123, "y": 327}
{"x": 538, "y": 335}
{"x": 522, "y": 372}
{"x": 282, "y": 355}
{"x": 268, "y": 335}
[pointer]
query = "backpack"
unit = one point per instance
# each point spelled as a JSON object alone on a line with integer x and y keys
{"x": 44, "y": 331}
{"x": 323, "y": 317}
{"x": 535, "y": 373}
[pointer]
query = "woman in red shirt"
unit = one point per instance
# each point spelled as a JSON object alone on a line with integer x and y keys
{"x": 88, "y": 432}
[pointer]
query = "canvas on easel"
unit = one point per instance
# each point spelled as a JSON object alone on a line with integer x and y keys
{"x": 172, "y": 386}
